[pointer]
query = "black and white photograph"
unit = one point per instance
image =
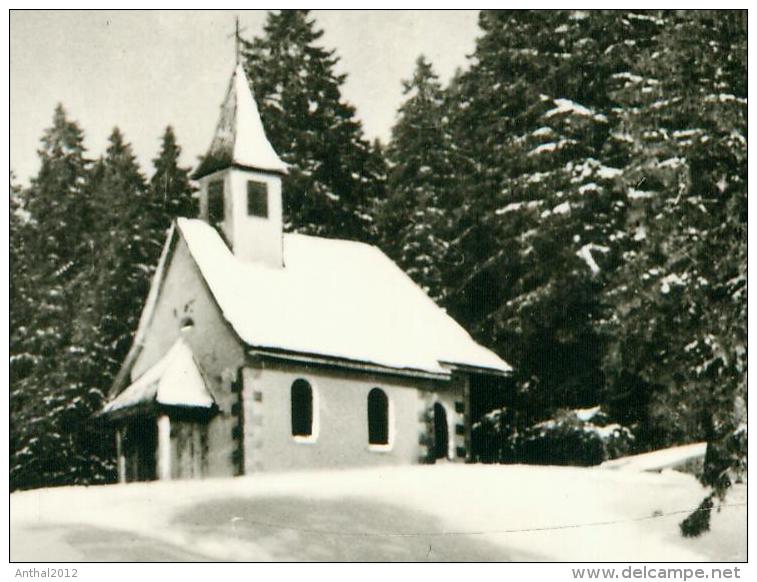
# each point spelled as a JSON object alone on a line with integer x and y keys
{"x": 297, "y": 285}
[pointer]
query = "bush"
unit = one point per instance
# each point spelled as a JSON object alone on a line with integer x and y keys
{"x": 492, "y": 437}
{"x": 582, "y": 437}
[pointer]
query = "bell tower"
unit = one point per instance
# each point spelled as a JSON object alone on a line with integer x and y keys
{"x": 240, "y": 179}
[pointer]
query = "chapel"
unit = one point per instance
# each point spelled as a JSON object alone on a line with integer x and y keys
{"x": 260, "y": 350}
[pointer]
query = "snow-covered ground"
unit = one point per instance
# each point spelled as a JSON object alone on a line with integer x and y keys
{"x": 659, "y": 460}
{"x": 436, "y": 513}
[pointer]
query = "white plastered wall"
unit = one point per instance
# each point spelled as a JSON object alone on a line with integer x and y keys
{"x": 342, "y": 417}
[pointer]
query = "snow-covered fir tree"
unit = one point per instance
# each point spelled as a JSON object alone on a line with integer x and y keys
{"x": 22, "y": 308}
{"x": 20, "y": 282}
{"x": 415, "y": 219}
{"x": 537, "y": 229}
{"x": 170, "y": 188}
{"x": 335, "y": 175}
{"x": 49, "y": 403}
{"x": 121, "y": 270}
{"x": 679, "y": 300}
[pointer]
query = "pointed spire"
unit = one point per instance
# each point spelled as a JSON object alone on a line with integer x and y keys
{"x": 239, "y": 138}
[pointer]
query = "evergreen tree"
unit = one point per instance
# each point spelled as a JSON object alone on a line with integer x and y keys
{"x": 414, "y": 222}
{"x": 107, "y": 227}
{"x": 537, "y": 231}
{"x": 132, "y": 222}
{"x": 49, "y": 405}
{"x": 57, "y": 201}
{"x": 170, "y": 189}
{"x": 20, "y": 288}
{"x": 335, "y": 174}
{"x": 125, "y": 247}
{"x": 128, "y": 244}
{"x": 679, "y": 356}
{"x": 686, "y": 120}
{"x": 21, "y": 312}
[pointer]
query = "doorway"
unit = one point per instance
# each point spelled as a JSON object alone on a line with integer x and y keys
{"x": 441, "y": 432}
{"x": 140, "y": 446}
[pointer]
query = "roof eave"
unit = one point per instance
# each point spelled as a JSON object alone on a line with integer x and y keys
{"x": 478, "y": 369}
{"x": 204, "y": 170}
{"x": 154, "y": 408}
{"x": 144, "y": 408}
{"x": 278, "y": 171}
{"x": 332, "y": 361}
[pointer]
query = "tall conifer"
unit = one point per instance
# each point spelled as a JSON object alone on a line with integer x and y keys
{"x": 50, "y": 403}
{"x": 415, "y": 219}
{"x": 170, "y": 189}
{"x": 537, "y": 227}
{"x": 679, "y": 299}
{"x": 335, "y": 174}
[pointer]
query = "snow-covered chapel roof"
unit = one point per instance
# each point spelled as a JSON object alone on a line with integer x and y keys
{"x": 239, "y": 138}
{"x": 333, "y": 298}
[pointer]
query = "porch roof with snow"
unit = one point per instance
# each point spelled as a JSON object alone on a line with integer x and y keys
{"x": 175, "y": 380}
{"x": 239, "y": 138}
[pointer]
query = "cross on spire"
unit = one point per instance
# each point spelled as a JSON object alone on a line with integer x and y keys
{"x": 237, "y": 34}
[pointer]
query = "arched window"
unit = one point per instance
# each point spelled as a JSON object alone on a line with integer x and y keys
{"x": 302, "y": 408}
{"x": 378, "y": 417}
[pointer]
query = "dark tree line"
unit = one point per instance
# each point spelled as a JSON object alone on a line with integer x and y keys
{"x": 575, "y": 197}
